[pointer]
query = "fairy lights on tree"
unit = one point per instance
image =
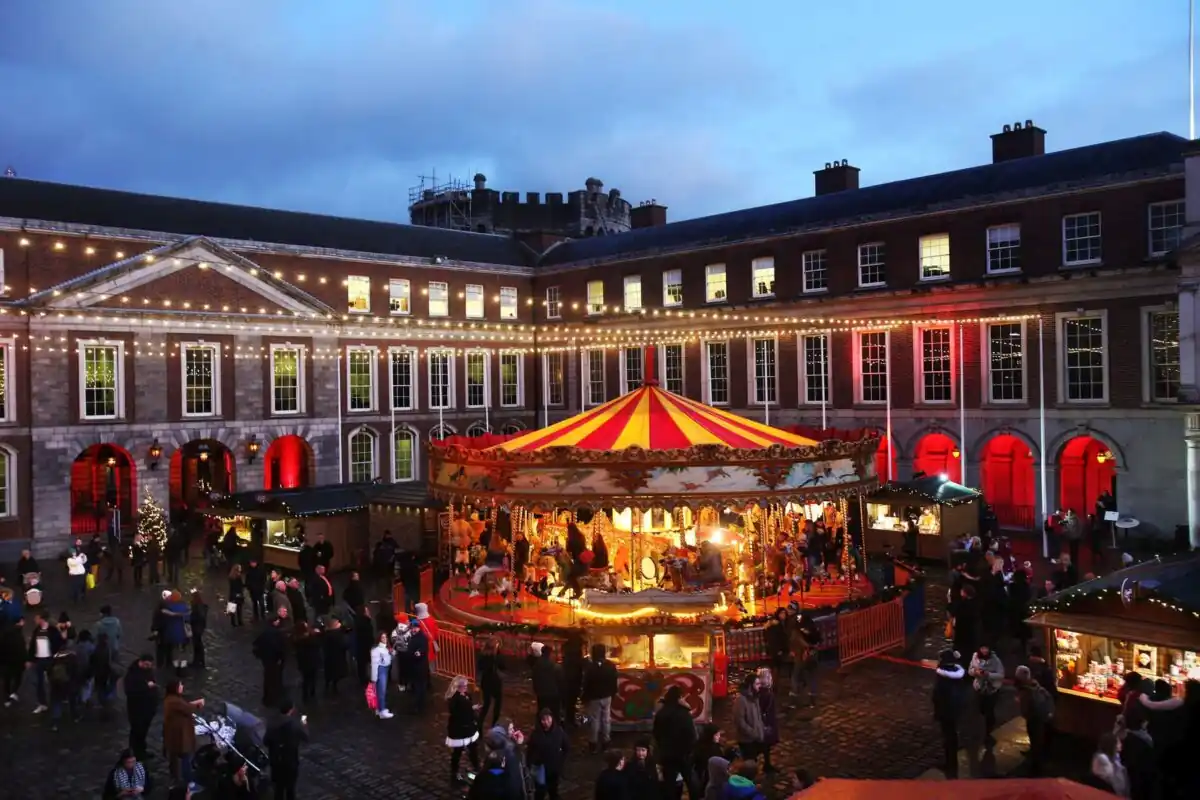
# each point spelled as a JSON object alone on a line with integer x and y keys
{"x": 152, "y": 523}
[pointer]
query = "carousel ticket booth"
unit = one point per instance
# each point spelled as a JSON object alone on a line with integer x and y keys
{"x": 1143, "y": 619}
{"x": 931, "y": 512}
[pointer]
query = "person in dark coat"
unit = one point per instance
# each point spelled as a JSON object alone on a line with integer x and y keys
{"x": 612, "y": 783}
{"x": 948, "y": 701}
{"x": 410, "y": 579}
{"x": 141, "y": 703}
{"x": 572, "y": 668}
{"x": 965, "y": 610}
{"x": 769, "y": 709}
{"x": 462, "y": 733}
{"x": 491, "y": 783}
{"x": 173, "y": 554}
{"x": 324, "y": 552}
{"x": 320, "y": 592}
{"x": 306, "y": 643}
{"x": 353, "y": 595}
{"x": 708, "y": 745}
{"x": 641, "y": 773}
{"x": 296, "y": 605}
{"x": 306, "y": 560}
{"x": 548, "y": 748}
{"x": 229, "y": 546}
{"x": 418, "y": 650}
{"x": 489, "y": 667}
{"x": 1020, "y": 594}
{"x": 675, "y": 738}
{"x": 547, "y": 679}
{"x": 334, "y": 647}
{"x": 256, "y": 587}
{"x": 283, "y": 740}
{"x": 364, "y": 640}
{"x": 599, "y": 686}
{"x": 270, "y": 648}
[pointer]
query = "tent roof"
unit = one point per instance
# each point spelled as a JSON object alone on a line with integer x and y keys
{"x": 1172, "y": 580}
{"x": 320, "y": 501}
{"x": 1007, "y": 789}
{"x": 930, "y": 489}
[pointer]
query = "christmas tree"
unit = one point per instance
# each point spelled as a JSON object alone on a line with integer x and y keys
{"x": 151, "y": 524}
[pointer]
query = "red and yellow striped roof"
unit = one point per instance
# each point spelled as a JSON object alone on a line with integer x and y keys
{"x": 653, "y": 419}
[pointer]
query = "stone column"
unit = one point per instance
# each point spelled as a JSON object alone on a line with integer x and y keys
{"x": 904, "y": 470}
{"x": 1192, "y": 442}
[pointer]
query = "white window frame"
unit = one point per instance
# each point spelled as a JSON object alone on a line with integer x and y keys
{"x": 372, "y": 354}
{"x": 595, "y": 306}
{"x": 706, "y": 372}
{"x": 809, "y": 264}
{"x": 520, "y": 357}
{"x": 751, "y": 376}
{"x": 546, "y": 399}
{"x": 119, "y": 378}
{"x": 763, "y": 263}
{"x": 585, "y": 366}
{"x": 882, "y": 265}
{"x": 476, "y": 428}
{"x": 985, "y": 335}
{"x": 444, "y": 289}
{"x": 476, "y": 307}
{"x": 373, "y": 435}
{"x": 450, "y": 377}
{"x": 277, "y": 347}
{"x": 923, "y": 244}
{"x": 1149, "y": 229}
{"x": 859, "y": 394}
{"x": 919, "y": 365}
{"x": 677, "y": 276}
{"x": 1148, "y": 313}
{"x": 9, "y": 348}
{"x": 487, "y": 377}
{"x": 713, "y": 272}
{"x": 802, "y": 367}
{"x": 415, "y": 438}
{"x": 414, "y": 369}
{"x": 404, "y": 285}
{"x": 215, "y": 349}
{"x": 662, "y": 367}
{"x": 623, "y": 372}
{"x": 988, "y": 251}
{"x": 442, "y": 426}
{"x": 351, "y": 280}
{"x": 3, "y": 286}
{"x": 9, "y": 472}
{"x": 553, "y": 302}
{"x": 632, "y": 282}
{"x": 1100, "y": 235}
{"x": 510, "y": 302}
{"x": 1060, "y": 324}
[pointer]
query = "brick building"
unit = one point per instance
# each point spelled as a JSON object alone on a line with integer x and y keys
{"x": 176, "y": 346}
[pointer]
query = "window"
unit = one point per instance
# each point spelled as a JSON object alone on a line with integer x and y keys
{"x": 717, "y": 373}
{"x": 814, "y": 349}
{"x": 633, "y": 292}
{"x": 508, "y": 302}
{"x": 287, "y": 384}
{"x": 936, "y": 362}
{"x": 1162, "y": 328}
{"x": 762, "y": 277}
{"x": 364, "y": 456}
{"x": 1081, "y": 238}
{"x": 672, "y": 359}
{"x": 512, "y": 427}
{"x": 593, "y": 370}
{"x": 873, "y": 367}
{"x": 7, "y": 508}
{"x": 595, "y": 297}
{"x": 404, "y": 456}
{"x": 553, "y": 302}
{"x": 714, "y": 284}
{"x": 1005, "y": 362}
{"x": 1083, "y": 342}
{"x": 764, "y": 372}
{"x": 477, "y": 429}
{"x": 872, "y": 265}
{"x": 358, "y": 294}
{"x": 399, "y": 296}
{"x": 7, "y": 348}
{"x": 441, "y": 378}
{"x": 201, "y": 380}
{"x": 1003, "y": 249}
{"x": 360, "y": 378}
{"x": 510, "y": 379}
{"x": 556, "y": 379}
{"x": 101, "y": 375}
{"x": 3, "y": 288}
{"x": 631, "y": 368}
{"x": 477, "y": 379}
{"x": 935, "y": 256}
{"x": 440, "y": 431}
{"x": 474, "y": 301}
{"x": 816, "y": 277}
{"x": 672, "y": 287}
{"x": 402, "y": 363}
{"x": 439, "y": 299}
{"x": 1166, "y": 227}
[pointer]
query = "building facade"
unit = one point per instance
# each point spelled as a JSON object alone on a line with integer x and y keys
{"x": 1015, "y": 326}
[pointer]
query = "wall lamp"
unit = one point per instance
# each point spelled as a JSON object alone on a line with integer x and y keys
{"x": 155, "y": 453}
{"x": 252, "y": 446}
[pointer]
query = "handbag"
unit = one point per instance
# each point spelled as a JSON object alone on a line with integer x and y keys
{"x": 90, "y": 580}
{"x": 372, "y": 697}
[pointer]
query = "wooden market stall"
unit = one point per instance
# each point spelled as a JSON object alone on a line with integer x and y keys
{"x": 931, "y": 512}
{"x": 1144, "y": 619}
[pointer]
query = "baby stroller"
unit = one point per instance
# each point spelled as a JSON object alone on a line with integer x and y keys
{"x": 228, "y": 731}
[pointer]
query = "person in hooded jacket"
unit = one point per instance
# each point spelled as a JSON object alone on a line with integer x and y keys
{"x": 141, "y": 699}
{"x": 747, "y": 718}
{"x": 597, "y": 690}
{"x": 743, "y": 784}
{"x": 1137, "y": 754}
{"x": 988, "y": 676}
{"x": 334, "y": 647}
{"x": 717, "y": 775}
{"x": 547, "y": 679}
{"x": 642, "y": 773}
{"x": 548, "y": 749}
{"x": 612, "y": 782}
{"x": 1169, "y": 728}
{"x": 770, "y": 717}
{"x": 675, "y": 739}
{"x": 708, "y": 746}
{"x": 949, "y": 695}
{"x": 505, "y": 739}
{"x": 490, "y": 783}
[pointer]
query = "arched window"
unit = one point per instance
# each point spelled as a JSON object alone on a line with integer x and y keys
{"x": 440, "y": 432}
{"x": 364, "y": 456}
{"x": 404, "y": 456}
{"x": 477, "y": 429}
{"x": 512, "y": 427}
{"x": 8, "y": 495}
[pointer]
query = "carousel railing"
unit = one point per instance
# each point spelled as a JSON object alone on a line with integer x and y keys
{"x": 456, "y": 652}
{"x": 870, "y": 631}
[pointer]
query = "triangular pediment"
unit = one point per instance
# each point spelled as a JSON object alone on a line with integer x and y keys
{"x": 190, "y": 274}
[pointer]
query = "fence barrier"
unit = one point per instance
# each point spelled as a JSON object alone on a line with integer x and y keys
{"x": 870, "y": 631}
{"x": 749, "y": 645}
{"x": 456, "y": 652}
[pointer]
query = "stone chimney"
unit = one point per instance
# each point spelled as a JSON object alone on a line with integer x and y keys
{"x": 838, "y": 176}
{"x": 480, "y": 181}
{"x": 648, "y": 214}
{"x": 1018, "y": 141}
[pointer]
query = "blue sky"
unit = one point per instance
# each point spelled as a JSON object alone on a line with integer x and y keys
{"x": 706, "y": 106}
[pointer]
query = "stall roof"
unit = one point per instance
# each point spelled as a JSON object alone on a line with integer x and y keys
{"x": 1007, "y": 789}
{"x": 319, "y": 501}
{"x": 929, "y": 489}
{"x": 1173, "y": 581}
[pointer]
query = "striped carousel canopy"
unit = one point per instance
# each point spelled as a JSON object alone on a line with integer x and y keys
{"x": 653, "y": 419}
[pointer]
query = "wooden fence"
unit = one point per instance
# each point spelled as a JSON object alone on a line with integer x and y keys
{"x": 870, "y": 631}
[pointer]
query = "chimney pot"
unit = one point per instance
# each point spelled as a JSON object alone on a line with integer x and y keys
{"x": 648, "y": 214}
{"x": 838, "y": 176}
{"x": 1018, "y": 141}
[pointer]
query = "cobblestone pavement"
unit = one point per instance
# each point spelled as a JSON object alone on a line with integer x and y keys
{"x": 872, "y": 721}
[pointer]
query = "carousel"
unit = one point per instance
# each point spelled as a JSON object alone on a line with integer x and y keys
{"x": 647, "y": 523}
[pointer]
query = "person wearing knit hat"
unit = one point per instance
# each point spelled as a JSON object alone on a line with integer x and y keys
{"x": 536, "y": 648}
{"x": 948, "y": 701}
{"x": 430, "y": 627}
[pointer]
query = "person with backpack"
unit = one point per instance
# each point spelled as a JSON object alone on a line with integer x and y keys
{"x": 1037, "y": 709}
{"x": 65, "y": 676}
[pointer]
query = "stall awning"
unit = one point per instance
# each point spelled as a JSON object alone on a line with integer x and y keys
{"x": 931, "y": 489}
{"x": 1007, "y": 789}
{"x": 1173, "y": 582}
{"x": 315, "y": 501}
{"x": 1116, "y": 628}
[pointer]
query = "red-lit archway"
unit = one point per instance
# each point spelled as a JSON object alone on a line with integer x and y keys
{"x": 103, "y": 479}
{"x": 1006, "y": 477}
{"x": 288, "y": 463}
{"x": 1086, "y": 468}
{"x": 937, "y": 454}
{"x": 883, "y": 455}
{"x": 198, "y": 469}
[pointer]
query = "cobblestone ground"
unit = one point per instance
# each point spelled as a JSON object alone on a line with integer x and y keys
{"x": 872, "y": 721}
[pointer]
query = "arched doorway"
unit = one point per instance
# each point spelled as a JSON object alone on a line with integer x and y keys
{"x": 938, "y": 454}
{"x": 198, "y": 469}
{"x": 103, "y": 480}
{"x": 288, "y": 463}
{"x": 1086, "y": 468}
{"x": 885, "y": 454}
{"x": 1006, "y": 476}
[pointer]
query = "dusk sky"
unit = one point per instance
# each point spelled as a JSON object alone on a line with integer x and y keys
{"x": 706, "y": 105}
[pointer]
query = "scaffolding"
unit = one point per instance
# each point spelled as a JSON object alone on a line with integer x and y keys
{"x": 440, "y": 205}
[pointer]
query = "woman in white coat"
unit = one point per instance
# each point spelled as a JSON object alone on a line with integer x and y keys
{"x": 381, "y": 668}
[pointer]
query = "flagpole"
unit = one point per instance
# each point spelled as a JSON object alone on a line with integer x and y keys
{"x": 340, "y": 436}
{"x": 1042, "y": 431}
{"x": 487, "y": 392}
{"x": 887, "y": 377}
{"x": 824, "y": 377}
{"x": 392, "y": 410}
{"x": 1192, "y": 69}
{"x": 962, "y": 412}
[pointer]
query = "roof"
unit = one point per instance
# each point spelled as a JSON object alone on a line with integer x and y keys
{"x": 931, "y": 488}
{"x": 1005, "y": 789}
{"x": 317, "y": 501}
{"x": 653, "y": 419}
{"x": 1151, "y": 154}
{"x": 83, "y": 205}
{"x": 1173, "y": 580}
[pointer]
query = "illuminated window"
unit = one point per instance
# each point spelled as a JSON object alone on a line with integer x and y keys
{"x": 358, "y": 294}
{"x": 399, "y": 296}
{"x": 595, "y": 297}
{"x": 593, "y": 365}
{"x": 476, "y": 379}
{"x": 201, "y": 365}
{"x": 1166, "y": 226}
{"x": 815, "y": 352}
{"x": 1003, "y": 249}
{"x": 287, "y": 380}
{"x": 556, "y": 382}
{"x": 762, "y": 277}
{"x": 360, "y": 378}
{"x": 1162, "y": 328}
{"x": 553, "y": 302}
{"x": 364, "y": 456}
{"x": 717, "y": 373}
{"x": 672, "y": 356}
{"x": 402, "y": 361}
{"x": 439, "y": 299}
{"x": 404, "y": 456}
{"x": 935, "y": 256}
{"x": 474, "y": 301}
{"x": 441, "y": 378}
{"x": 873, "y": 367}
{"x": 936, "y": 365}
{"x": 101, "y": 379}
{"x": 7, "y": 348}
{"x": 764, "y": 371}
{"x": 7, "y": 507}
{"x": 714, "y": 284}
{"x": 814, "y": 272}
{"x": 672, "y": 287}
{"x": 1081, "y": 238}
{"x": 1006, "y": 362}
{"x": 508, "y": 302}
{"x": 510, "y": 379}
{"x": 1084, "y": 357}
{"x": 633, "y": 292}
{"x": 872, "y": 265}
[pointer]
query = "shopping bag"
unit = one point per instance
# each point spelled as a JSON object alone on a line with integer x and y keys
{"x": 372, "y": 698}
{"x": 90, "y": 581}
